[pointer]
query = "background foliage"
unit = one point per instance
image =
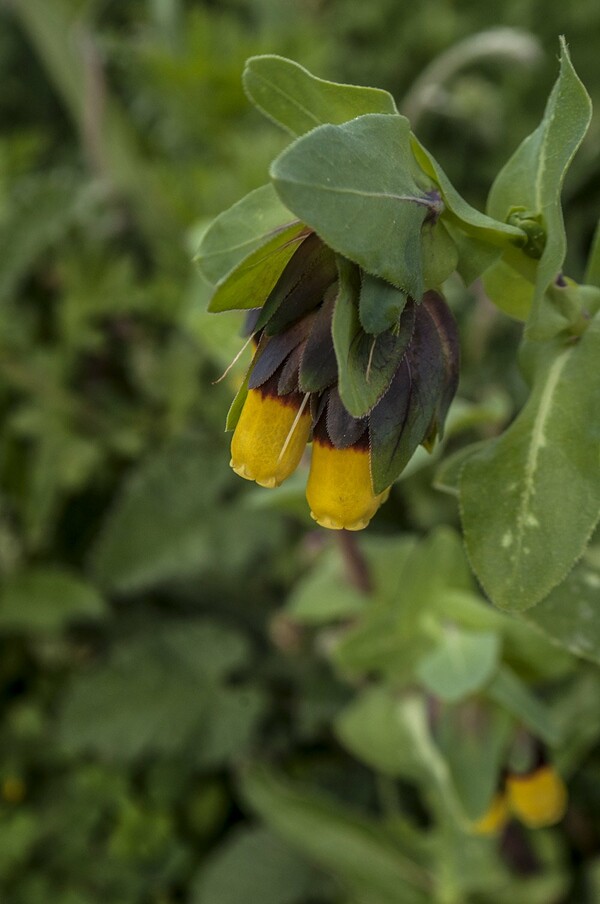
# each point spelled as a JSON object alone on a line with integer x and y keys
{"x": 204, "y": 698}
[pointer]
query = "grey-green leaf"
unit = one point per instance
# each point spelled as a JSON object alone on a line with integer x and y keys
{"x": 353, "y": 849}
{"x": 532, "y": 179}
{"x": 463, "y": 662}
{"x": 380, "y": 304}
{"x": 249, "y": 284}
{"x": 239, "y": 231}
{"x": 366, "y": 363}
{"x": 570, "y": 615}
{"x": 292, "y": 97}
{"x": 47, "y": 600}
{"x": 530, "y": 499}
{"x": 354, "y": 184}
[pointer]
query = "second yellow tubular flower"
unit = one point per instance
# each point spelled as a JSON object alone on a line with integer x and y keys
{"x": 270, "y": 437}
{"x": 537, "y": 798}
{"x": 495, "y": 817}
{"x": 339, "y": 490}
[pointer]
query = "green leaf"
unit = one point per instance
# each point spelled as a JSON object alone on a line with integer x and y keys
{"x": 239, "y": 231}
{"x": 448, "y": 474}
{"x": 171, "y": 698}
{"x": 366, "y": 363}
{"x": 253, "y": 865}
{"x": 354, "y": 184}
{"x": 508, "y": 289}
{"x": 509, "y": 691}
{"x": 47, "y": 600}
{"x": 298, "y": 101}
{"x": 461, "y": 663}
{"x": 531, "y": 181}
{"x": 325, "y": 593}
{"x": 363, "y": 857}
{"x": 474, "y": 740}
{"x": 530, "y": 499}
{"x": 249, "y": 284}
{"x": 440, "y": 254}
{"x": 459, "y": 212}
{"x": 374, "y": 729}
{"x": 160, "y": 526}
{"x": 592, "y": 270}
{"x": 569, "y": 616}
{"x": 380, "y": 304}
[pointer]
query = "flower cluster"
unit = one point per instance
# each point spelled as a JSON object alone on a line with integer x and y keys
{"x": 294, "y": 393}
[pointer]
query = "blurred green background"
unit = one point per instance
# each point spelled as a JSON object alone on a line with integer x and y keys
{"x": 163, "y": 623}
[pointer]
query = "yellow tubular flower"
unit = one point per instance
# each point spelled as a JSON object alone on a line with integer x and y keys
{"x": 537, "y": 798}
{"x": 339, "y": 490}
{"x": 495, "y": 817}
{"x": 270, "y": 436}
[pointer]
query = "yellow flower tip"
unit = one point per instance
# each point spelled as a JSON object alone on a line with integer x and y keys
{"x": 270, "y": 437}
{"x": 495, "y": 817}
{"x": 339, "y": 490}
{"x": 539, "y": 798}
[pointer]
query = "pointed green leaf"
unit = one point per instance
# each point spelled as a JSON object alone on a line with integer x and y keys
{"x": 380, "y": 304}
{"x": 366, "y": 364}
{"x": 355, "y": 850}
{"x": 531, "y": 181}
{"x": 592, "y": 270}
{"x": 47, "y": 600}
{"x": 239, "y": 231}
{"x": 530, "y": 499}
{"x": 463, "y": 662}
{"x": 509, "y": 691}
{"x": 354, "y": 185}
{"x": 570, "y": 616}
{"x": 292, "y": 97}
{"x": 440, "y": 254}
{"x": 249, "y": 284}
{"x": 508, "y": 289}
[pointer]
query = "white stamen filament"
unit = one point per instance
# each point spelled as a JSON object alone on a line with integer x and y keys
{"x": 293, "y": 427}
{"x": 235, "y": 360}
{"x": 370, "y": 361}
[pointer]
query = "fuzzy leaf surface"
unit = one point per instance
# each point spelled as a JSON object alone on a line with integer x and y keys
{"x": 289, "y": 95}
{"x": 530, "y": 499}
{"x": 355, "y": 185}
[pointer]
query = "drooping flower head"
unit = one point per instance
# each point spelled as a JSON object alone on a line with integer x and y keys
{"x": 398, "y": 385}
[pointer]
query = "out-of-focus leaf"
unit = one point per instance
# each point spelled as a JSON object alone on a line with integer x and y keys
{"x": 510, "y": 692}
{"x": 360, "y": 173}
{"x": 325, "y": 594}
{"x": 298, "y": 101}
{"x": 166, "y": 522}
{"x": 353, "y": 849}
{"x": 164, "y": 692}
{"x": 474, "y": 739}
{"x": 253, "y": 865}
{"x": 530, "y": 499}
{"x": 39, "y": 216}
{"x": 460, "y": 664}
{"x": 47, "y": 600}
